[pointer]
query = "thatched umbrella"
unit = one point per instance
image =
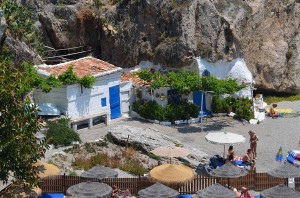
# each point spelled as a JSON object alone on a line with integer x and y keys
{"x": 158, "y": 190}
{"x": 16, "y": 190}
{"x": 285, "y": 170}
{"x": 216, "y": 191}
{"x": 279, "y": 191}
{"x": 171, "y": 173}
{"x": 99, "y": 172}
{"x": 228, "y": 170}
{"x": 90, "y": 189}
{"x": 45, "y": 169}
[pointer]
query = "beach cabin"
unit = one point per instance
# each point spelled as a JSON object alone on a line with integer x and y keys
{"x": 83, "y": 104}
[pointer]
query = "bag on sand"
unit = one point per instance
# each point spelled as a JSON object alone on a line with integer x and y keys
{"x": 216, "y": 161}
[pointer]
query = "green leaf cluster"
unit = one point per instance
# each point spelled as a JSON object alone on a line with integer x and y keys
{"x": 153, "y": 111}
{"x": 18, "y": 125}
{"x": 220, "y": 86}
{"x": 20, "y": 23}
{"x": 60, "y": 134}
{"x": 189, "y": 81}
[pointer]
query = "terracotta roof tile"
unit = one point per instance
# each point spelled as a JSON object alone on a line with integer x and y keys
{"x": 131, "y": 76}
{"x": 81, "y": 67}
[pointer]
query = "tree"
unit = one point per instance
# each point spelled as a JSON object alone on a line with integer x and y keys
{"x": 18, "y": 125}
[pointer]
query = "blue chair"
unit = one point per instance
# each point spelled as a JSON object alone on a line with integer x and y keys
{"x": 185, "y": 196}
{"x": 52, "y": 195}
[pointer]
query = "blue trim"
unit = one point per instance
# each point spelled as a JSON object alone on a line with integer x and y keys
{"x": 103, "y": 102}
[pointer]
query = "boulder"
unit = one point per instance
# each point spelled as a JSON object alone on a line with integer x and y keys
{"x": 147, "y": 139}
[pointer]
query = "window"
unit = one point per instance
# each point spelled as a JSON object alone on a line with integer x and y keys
{"x": 103, "y": 102}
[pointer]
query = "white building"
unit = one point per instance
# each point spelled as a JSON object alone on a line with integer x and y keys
{"x": 79, "y": 103}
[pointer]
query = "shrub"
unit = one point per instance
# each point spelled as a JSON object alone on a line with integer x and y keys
{"x": 60, "y": 134}
{"x": 289, "y": 54}
{"x": 217, "y": 106}
{"x": 152, "y": 110}
{"x": 243, "y": 108}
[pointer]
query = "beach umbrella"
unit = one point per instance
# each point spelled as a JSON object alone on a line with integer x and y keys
{"x": 170, "y": 152}
{"x": 16, "y": 190}
{"x": 99, "y": 172}
{"x": 279, "y": 155}
{"x": 279, "y": 191}
{"x": 158, "y": 190}
{"x": 90, "y": 189}
{"x": 171, "y": 173}
{"x": 228, "y": 171}
{"x": 225, "y": 138}
{"x": 285, "y": 170}
{"x": 216, "y": 191}
{"x": 45, "y": 169}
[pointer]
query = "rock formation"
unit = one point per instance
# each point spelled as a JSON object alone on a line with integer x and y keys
{"x": 265, "y": 33}
{"x": 147, "y": 139}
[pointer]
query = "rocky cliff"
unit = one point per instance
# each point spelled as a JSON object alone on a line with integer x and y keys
{"x": 171, "y": 32}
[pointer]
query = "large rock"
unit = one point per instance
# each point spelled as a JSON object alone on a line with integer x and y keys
{"x": 265, "y": 33}
{"x": 148, "y": 139}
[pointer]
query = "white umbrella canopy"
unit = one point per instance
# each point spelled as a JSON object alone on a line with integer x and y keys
{"x": 225, "y": 138}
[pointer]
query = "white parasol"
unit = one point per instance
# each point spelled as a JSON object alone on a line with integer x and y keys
{"x": 225, "y": 138}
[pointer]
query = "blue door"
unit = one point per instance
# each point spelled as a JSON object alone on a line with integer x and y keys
{"x": 197, "y": 97}
{"x": 114, "y": 100}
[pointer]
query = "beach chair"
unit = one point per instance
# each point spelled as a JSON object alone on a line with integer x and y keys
{"x": 185, "y": 196}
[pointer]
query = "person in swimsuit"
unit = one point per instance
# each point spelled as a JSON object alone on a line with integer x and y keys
{"x": 248, "y": 159}
{"x": 273, "y": 112}
{"x": 253, "y": 143}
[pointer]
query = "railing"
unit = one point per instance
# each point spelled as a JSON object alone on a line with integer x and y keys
{"x": 253, "y": 181}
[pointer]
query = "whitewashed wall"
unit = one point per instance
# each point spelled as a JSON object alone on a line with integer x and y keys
{"x": 56, "y": 96}
{"x": 162, "y": 90}
{"x": 126, "y": 96}
{"x": 88, "y": 101}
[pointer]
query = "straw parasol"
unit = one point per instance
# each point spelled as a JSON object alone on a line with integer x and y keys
{"x": 285, "y": 170}
{"x": 228, "y": 170}
{"x": 171, "y": 173}
{"x": 170, "y": 152}
{"x": 99, "y": 172}
{"x": 279, "y": 191}
{"x": 158, "y": 190}
{"x": 45, "y": 169}
{"x": 15, "y": 190}
{"x": 90, "y": 189}
{"x": 216, "y": 191}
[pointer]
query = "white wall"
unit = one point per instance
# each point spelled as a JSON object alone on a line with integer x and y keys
{"x": 236, "y": 69}
{"x": 162, "y": 90}
{"x": 88, "y": 102}
{"x": 56, "y": 96}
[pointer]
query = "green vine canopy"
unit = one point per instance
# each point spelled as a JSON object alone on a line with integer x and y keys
{"x": 66, "y": 78}
{"x": 188, "y": 81}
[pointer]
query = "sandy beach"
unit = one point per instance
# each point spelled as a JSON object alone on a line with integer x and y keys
{"x": 272, "y": 134}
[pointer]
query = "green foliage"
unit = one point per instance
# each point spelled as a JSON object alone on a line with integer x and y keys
{"x": 72, "y": 173}
{"x": 60, "y": 134}
{"x": 223, "y": 86}
{"x": 98, "y": 3}
{"x": 20, "y": 23}
{"x": 217, "y": 105}
{"x": 276, "y": 99}
{"x": 68, "y": 77}
{"x": 18, "y": 125}
{"x": 153, "y": 111}
{"x": 243, "y": 108}
{"x": 289, "y": 54}
{"x": 188, "y": 81}
{"x": 87, "y": 81}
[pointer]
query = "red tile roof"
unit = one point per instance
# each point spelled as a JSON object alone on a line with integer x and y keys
{"x": 131, "y": 76}
{"x": 81, "y": 67}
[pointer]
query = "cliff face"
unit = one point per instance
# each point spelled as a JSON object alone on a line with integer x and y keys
{"x": 171, "y": 32}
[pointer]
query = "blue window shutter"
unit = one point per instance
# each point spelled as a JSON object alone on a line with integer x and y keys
{"x": 103, "y": 102}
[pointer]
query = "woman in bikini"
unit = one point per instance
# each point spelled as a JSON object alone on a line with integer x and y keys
{"x": 253, "y": 143}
